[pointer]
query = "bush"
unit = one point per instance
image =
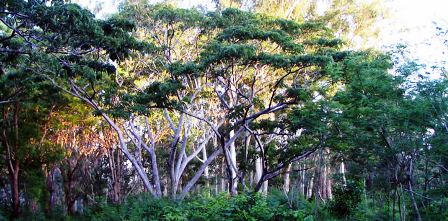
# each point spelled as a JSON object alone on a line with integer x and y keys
{"x": 247, "y": 206}
{"x": 345, "y": 199}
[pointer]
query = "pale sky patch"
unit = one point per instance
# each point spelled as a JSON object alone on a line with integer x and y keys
{"x": 413, "y": 22}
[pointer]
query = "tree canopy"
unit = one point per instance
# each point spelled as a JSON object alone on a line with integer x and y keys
{"x": 182, "y": 103}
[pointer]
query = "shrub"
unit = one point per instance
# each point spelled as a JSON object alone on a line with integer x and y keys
{"x": 246, "y": 206}
{"x": 345, "y": 199}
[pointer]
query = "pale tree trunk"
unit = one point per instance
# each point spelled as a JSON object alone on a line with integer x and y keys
{"x": 251, "y": 178}
{"x": 342, "y": 171}
{"x": 233, "y": 166}
{"x": 233, "y": 182}
{"x": 287, "y": 179}
{"x": 258, "y": 169}
{"x": 329, "y": 183}
{"x": 220, "y": 173}
{"x": 310, "y": 186}
{"x": 223, "y": 175}
{"x": 206, "y": 171}
{"x": 318, "y": 177}
{"x": 265, "y": 187}
{"x": 313, "y": 180}
{"x": 155, "y": 171}
{"x": 173, "y": 147}
{"x": 216, "y": 187}
{"x": 123, "y": 146}
{"x": 259, "y": 172}
{"x": 199, "y": 173}
{"x": 165, "y": 186}
{"x": 151, "y": 152}
{"x": 179, "y": 159}
{"x": 323, "y": 182}
{"x": 153, "y": 159}
{"x": 301, "y": 179}
{"x": 326, "y": 175}
{"x": 206, "y": 163}
{"x": 328, "y": 172}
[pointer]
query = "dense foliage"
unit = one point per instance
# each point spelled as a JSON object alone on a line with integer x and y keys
{"x": 163, "y": 113}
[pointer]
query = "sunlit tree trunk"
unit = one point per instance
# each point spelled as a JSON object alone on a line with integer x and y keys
{"x": 206, "y": 171}
{"x": 232, "y": 163}
{"x": 258, "y": 169}
{"x": 233, "y": 166}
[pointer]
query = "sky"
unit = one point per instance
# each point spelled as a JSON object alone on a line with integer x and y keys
{"x": 411, "y": 22}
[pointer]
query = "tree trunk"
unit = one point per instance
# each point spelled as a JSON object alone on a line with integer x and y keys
{"x": 223, "y": 175}
{"x": 56, "y": 188}
{"x": 206, "y": 163}
{"x": 301, "y": 179}
{"x": 14, "y": 176}
{"x": 199, "y": 173}
{"x": 258, "y": 169}
{"x": 342, "y": 171}
{"x": 206, "y": 171}
{"x": 329, "y": 183}
{"x": 286, "y": 179}
{"x": 165, "y": 185}
{"x": 265, "y": 187}
{"x": 323, "y": 182}
{"x": 155, "y": 171}
{"x": 310, "y": 187}
{"x": 115, "y": 167}
{"x": 251, "y": 178}
{"x": 233, "y": 183}
{"x": 216, "y": 185}
{"x": 327, "y": 172}
{"x": 411, "y": 191}
{"x": 69, "y": 194}
{"x": 259, "y": 173}
{"x": 393, "y": 204}
{"x": 12, "y": 152}
{"x": 140, "y": 171}
{"x": 400, "y": 209}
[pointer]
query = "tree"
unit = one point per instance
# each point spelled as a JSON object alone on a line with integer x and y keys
{"x": 354, "y": 21}
{"x": 44, "y": 46}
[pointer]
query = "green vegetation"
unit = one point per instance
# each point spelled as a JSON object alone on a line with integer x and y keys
{"x": 162, "y": 113}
